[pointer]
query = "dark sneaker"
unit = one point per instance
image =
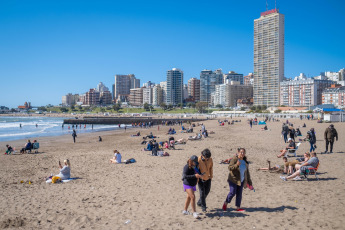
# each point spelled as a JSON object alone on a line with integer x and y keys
{"x": 204, "y": 209}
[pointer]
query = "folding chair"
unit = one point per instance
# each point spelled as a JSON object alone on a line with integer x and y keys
{"x": 312, "y": 171}
{"x": 293, "y": 151}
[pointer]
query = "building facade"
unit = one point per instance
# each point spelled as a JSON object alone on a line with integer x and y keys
{"x": 268, "y": 57}
{"x": 174, "y": 90}
{"x": 92, "y": 97}
{"x": 105, "y": 97}
{"x": 163, "y": 85}
{"x": 335, "y": 96}
{"x": 148, "y": 95}
{"x": 249, "y": 79}
{"x": 233, "y": 76}
{"x": 228, "y": 94}
{"x": 70, "y": 99}
{"x": 136, "y": 97}
{"x": 157, "y": 95}
{"x": 306, "y": 92}
{"x": 208, "y": 82}
{"x": 194, "y": 89}
{"x": 123, "y": 84}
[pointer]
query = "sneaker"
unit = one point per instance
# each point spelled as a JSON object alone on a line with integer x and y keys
{"x": 204, "y": 209}
{"x": 224, "y": 206}
{"x": 199, "y": 204}
{"x": 283, "y": 178}
{"x": 297, "y": 178}
{"x": 240, "y": 210}
{"x": 331, "y": 152}
{"x": 184, "y": 212}
{"x": 196, "y": 215}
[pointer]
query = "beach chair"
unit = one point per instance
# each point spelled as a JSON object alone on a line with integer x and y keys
{"x": 293, "y": 151}
{"x": 36, "y": 146}
{"x": 311, "y": 171}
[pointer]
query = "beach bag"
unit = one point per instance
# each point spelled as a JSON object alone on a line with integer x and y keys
{"x": 131, "y": 160}
{"x": 56, "y": 179}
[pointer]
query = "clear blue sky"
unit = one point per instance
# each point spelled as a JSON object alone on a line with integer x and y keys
{"x": 51, "y": 48}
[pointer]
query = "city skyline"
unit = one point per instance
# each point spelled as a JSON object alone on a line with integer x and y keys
{"x": 57, "y": 48}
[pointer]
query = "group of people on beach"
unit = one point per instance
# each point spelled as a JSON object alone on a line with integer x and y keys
{"x": 199, "y": 171}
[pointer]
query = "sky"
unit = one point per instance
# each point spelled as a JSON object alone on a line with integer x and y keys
{"x": 51, "y": 48}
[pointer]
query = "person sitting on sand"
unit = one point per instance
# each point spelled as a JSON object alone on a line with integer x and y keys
{"x": 304, "y": 125}
{"x": 298, "y": 132}
{"x": 172, "y": 144}
{"x": 150, "y": 135}
{"x": 291, "y": 145}
{"x": 27, "y": 146}
{"x": 181, "y": 141}
{"x": 117, "y": 157}
{"x": 9, "y": 150}
{"x": 136, "y": 135}
{"x": 65, "y": 171}
{"x": 149, "y": 146}
{"x": 264, "y": 128}
{"x": 311, "y": 163}
{"x": 99, "y": 138}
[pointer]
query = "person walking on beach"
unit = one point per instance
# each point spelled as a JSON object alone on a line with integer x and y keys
{"x": 190, "y": 178}
{"x": 251, "y": 123}
{"x": 206, "y": 169}
{"x": 285, "y": 132}
{"x": 74, "y": 135}
{"x": 238, "y": 178}
{"x": 312, "y": 139}
{"x": 330, "y": 134}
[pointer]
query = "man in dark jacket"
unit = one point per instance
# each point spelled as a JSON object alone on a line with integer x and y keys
{"x": 330, "y": 134}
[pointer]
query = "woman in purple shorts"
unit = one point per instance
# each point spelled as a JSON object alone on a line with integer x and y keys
{"x": 190, "y": 178}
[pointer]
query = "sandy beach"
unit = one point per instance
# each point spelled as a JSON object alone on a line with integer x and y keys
{"x": 149, "y": 193}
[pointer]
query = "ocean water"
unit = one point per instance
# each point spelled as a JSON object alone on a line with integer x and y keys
{"x": 46, "y": 126}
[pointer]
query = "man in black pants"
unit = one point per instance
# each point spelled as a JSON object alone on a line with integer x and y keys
{"x": 206, "y": 170}
{"x": 330, "y": 135}
{"x": 74, "y": 135}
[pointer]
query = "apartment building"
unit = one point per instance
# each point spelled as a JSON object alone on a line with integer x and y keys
{"x": 268, "y": 57}
{"x": 136, "y": 97}
{"x": 208, "y": 81}
{"x": 174, "y": 88}
{"x": 194, "y": 89}
{"x": 334, "y": 95}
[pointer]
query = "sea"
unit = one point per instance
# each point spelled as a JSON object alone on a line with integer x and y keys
{"x": 16, "y": 128}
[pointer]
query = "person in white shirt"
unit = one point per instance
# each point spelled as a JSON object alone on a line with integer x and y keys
{"x": 65, "y": 171}
{"x": 117, "y": 157}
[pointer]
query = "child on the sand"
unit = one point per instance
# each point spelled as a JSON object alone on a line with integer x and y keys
{"x": 117, "y": 157}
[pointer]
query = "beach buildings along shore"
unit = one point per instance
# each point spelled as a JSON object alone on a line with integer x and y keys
{"x": 268, "y": 57}
{"x": 174, "y": 88}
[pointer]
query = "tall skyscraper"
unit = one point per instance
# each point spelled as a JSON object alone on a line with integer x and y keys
{"x": 208, "y": 82}
{"x": 174, "y": 87}
{"x": 268, "y": 57}
{"x": 123, "y": 84}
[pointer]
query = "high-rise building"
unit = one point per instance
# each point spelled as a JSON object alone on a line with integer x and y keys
{"x": 136, "y": 97}
{"x": 194, "y": 89}
{"x": 163, "y": 85}
{"x": 208, "y": 82}
{"x": 157, "y": 95}
{"x": 268, "y": 57}
{"x": 70, "y": 99}
{"x": 147, "y": 95}
{"x": 123, "y": 84}
{"x": 233, "y": 76}
{"x": 174, "y": 91}
{"x": 92, "y": 97}
{"x": 105, "y": 97}
{"x": 185, "y": 91}
{"x": 148, "y": 84}
{"x": 101, "y": 87}
{"x": 228, "y": 94}
{"x": 306, "y": 92}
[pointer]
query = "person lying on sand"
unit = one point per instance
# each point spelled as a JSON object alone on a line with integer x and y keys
{"x": 277, "y": 168}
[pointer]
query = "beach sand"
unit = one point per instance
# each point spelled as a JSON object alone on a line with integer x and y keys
{"x": 150, "y": 194}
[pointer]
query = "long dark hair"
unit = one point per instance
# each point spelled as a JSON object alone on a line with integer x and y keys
{"x": 190, "y": 163}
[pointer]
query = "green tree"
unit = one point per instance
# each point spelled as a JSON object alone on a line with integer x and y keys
{"x": 264, "y": 107}
{"x": 219, "y": 106}
{"x": 42, "y": 108}
{"x": 278, "y": 111}
{"x": 201, "y": 106}
{"x": 102, "y": 109}
{"x": 243, "y": 108}
{"x": 63, "y": 109}
{"x": 146, "y": 106}
{"x": 253, "y": 108}
{"x": 117, "y": 107}
{"x": 163, "y": 106}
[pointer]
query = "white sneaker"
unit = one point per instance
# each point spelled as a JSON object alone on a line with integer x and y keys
{"x": 184, "y": 212}
{"x": 196, "y": 215}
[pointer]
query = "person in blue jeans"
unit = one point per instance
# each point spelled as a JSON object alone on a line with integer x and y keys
{"x": 238, "y": 178}
{"x": 311, "y": 137}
